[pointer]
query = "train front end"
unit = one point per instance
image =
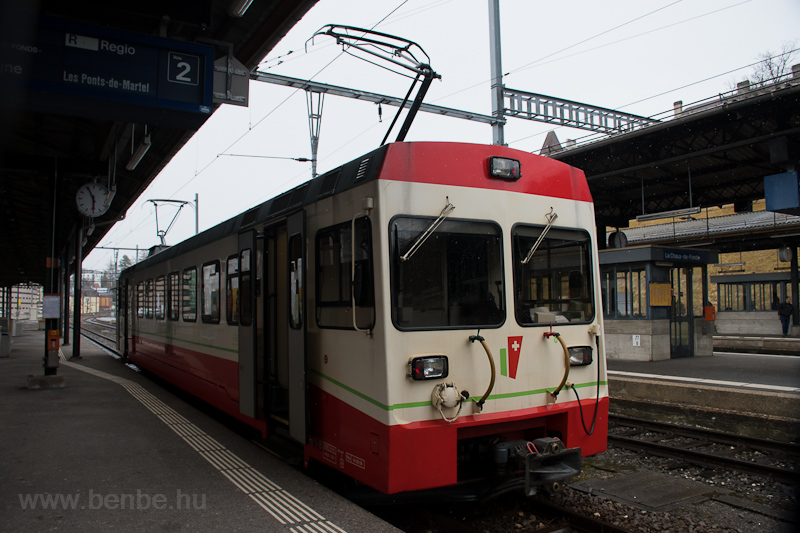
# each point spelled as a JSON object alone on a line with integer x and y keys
{"x": 486, "y": 363}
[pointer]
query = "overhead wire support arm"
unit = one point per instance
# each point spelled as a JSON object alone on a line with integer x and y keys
{"x": 395, "y": 50}
{"x": 542, "y": 108}
{"x": 375, "y": 98}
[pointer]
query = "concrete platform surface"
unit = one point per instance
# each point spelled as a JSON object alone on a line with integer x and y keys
{"x": 775, "y": 373}
{"x": 749, "y": 394}
{"x": 113, "y": 451}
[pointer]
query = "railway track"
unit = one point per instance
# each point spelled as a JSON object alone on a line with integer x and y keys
{"x": 100, "y": 331}
{"x": 708, "y": 448}
{"x": 508, "y": 513}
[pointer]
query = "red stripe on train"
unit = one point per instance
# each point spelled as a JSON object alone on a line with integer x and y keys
{"x": 456, "y": 163}
{"x": 423, "y": 455}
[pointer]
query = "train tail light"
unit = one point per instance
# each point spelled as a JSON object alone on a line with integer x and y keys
{"x": 505, "y": 168}
{"x": 580, "y": 355}
{"x": 428, "y": 367}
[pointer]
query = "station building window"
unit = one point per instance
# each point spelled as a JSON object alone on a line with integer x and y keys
{"x": 751, "y": 296}
{"x": 189, "y": 294}
{"x": 335, "y": 270}
{"x": 211, "y": 288}
{"x": 624, "y": 290}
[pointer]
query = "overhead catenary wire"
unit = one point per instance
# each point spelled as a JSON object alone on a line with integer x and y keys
{"x": 390, "y": 19}
{"x": 252, "y": 127}
{"x": 276, "y": 108}
{"x": 539, "y": 62}
{"x": 750, "y": 65}
{"x": 282, "y": 102}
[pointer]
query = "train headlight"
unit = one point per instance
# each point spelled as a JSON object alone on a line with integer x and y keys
{"x": 580, "y": 355}
{"x": 428, "y": 367}
{"x": 504, "y": 168}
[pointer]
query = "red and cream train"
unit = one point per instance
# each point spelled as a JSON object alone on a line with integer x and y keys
{"x": 421, "y": 317}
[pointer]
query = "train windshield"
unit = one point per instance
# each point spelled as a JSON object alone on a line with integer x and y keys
{"x": 454, "y": 279}
{"x": 555, "y": 285}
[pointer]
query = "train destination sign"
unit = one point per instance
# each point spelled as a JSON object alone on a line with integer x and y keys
{"x": 96, "y": 62}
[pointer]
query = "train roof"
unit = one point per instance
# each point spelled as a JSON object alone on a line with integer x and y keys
{"x": 409, "y": 161}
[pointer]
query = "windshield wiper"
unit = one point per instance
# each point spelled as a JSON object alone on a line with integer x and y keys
{"x": 551, "y": 217}
{"x": 427, "y": 233}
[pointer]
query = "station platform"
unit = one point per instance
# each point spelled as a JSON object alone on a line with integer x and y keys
{"x": 112, "y": 450}
{"x": 770, "y": 344}
{"x": 753, "y": 394}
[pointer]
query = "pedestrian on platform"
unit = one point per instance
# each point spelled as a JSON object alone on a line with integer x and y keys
{"x": 785, "y": 311}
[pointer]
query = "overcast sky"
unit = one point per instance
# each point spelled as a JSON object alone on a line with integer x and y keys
{"x": 633, "y": 56}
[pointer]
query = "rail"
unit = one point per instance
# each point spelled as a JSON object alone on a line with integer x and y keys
{"x": 762, "y": 457}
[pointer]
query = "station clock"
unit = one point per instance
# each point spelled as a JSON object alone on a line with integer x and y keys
{"x": 91, "y": 199}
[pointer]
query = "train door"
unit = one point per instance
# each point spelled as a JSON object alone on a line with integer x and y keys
{"x": 248, "y": 367}
{"x": 122, "y": 317}
{"x": 681, "y": 314}
{"x": 286, "y": 326}
{"x": 130, "y": 316}
{"x": 296, "y": 334}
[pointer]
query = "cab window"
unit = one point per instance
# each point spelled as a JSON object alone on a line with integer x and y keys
{"x": 453, "y": 278}
{"x": 555, "y": 284}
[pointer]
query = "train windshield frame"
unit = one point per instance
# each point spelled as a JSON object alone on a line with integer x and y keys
{"x": 454, "y": 280}
{"x": 557, "y": 284}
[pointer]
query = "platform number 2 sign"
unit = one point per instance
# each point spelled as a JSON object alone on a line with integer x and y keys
{"x": 183, "y": 68}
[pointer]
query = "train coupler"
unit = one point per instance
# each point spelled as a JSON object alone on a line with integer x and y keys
{"x": 548, "y": 463}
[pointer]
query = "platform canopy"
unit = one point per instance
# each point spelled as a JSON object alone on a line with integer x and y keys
{"x": 87, "y": 83}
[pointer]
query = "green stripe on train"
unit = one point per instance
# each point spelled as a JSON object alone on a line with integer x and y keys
{"x": 168, "y": 339}
{"x": 424, "y": 404}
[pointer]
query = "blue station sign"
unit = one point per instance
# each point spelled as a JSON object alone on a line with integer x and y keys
{"x": 117, "y": 66}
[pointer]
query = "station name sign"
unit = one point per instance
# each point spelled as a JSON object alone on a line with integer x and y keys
{"x": 96, "y": 62}
{"x": 685, "y": 256}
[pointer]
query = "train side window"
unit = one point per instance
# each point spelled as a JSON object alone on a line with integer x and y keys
{"x": 189, "y": 294}
{"x": 140, "y": 299}
{"x": 232, "y": 291}
{"x": 148, "y": 298}
{"x": 334, "y": 274}
{"x": 295, "y": 282}
{"x": 556, "y": 284}
{"x": 173, "y": 296}
{"x": 160, "y": 297}
{"x": 245, "y": 289}
{"x": 454, "y": 279}
{"x": 210, "y": 301}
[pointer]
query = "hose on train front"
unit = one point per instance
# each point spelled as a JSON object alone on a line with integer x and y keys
{"x": 474, "y": 338}
{"x": 590, "y": 431}
{"x": 557, "y": 335}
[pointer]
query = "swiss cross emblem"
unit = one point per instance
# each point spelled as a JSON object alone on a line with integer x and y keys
{"x": 509, "y": 358}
